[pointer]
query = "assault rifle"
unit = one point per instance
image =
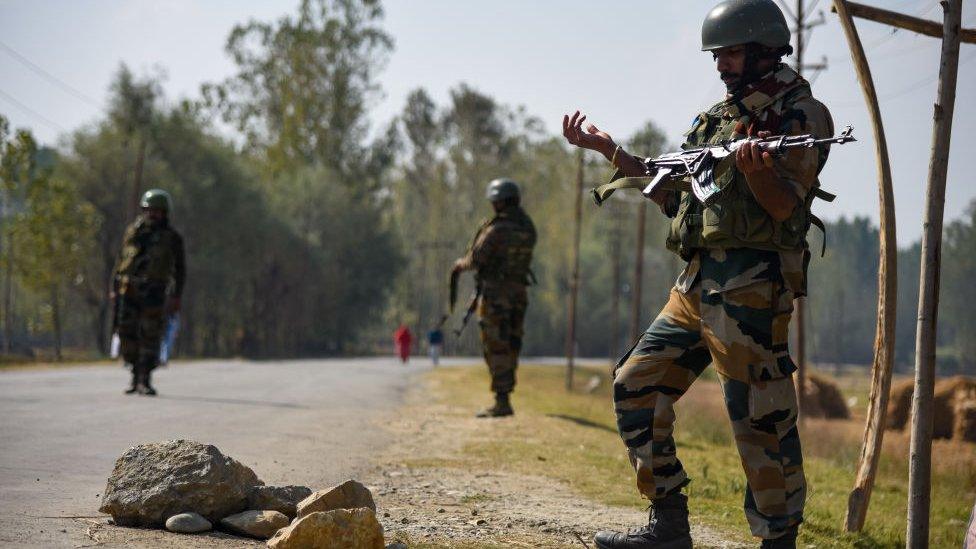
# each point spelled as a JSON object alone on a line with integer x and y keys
{"x": 703, "y": 165}
{"x": 472, "y": 306}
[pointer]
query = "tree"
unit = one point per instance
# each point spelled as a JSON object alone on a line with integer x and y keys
{"x": 304, "y": 85}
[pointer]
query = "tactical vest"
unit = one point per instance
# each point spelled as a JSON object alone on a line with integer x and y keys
{"x": 520, "y": 237}
{"x": 736, "y": 219}
{"x": 148, "y": 253}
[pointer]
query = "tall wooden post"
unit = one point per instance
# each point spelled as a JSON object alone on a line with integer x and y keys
{"x": 635, "y": 314}
{"x": 800, "y": 303}
{"x": 574, "y": 277}
{"x": 920, "y": 464}
{"x": 615, "y": 296}
{"x": 884, "y": 338}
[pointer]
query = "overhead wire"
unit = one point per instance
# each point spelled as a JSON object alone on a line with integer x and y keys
{"x": 40, "y": 71}
{"x": 38, "y": 116}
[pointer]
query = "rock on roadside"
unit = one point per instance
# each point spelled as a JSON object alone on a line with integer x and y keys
{"x": 283, "y": 499}
{"x": 257, "y": 524}
{"x": 348, "y": 495}
{"x": 188, "y": 523}
{"x": 338, "y": 529}
{"x": 152, "y": 482}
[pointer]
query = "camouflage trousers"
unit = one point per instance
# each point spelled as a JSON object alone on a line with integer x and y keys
{"x": 743, "y": 331}
{"x": 501, "y": 313}
{"x": 141, "y": 319}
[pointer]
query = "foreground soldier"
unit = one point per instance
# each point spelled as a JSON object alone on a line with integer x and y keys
{"x": 149, "y": 277}
{"x": 747, "y": 256}
{"x": 501, "y": 254}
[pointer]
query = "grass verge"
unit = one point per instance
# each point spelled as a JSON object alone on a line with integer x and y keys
{"x": 571, "y": 437}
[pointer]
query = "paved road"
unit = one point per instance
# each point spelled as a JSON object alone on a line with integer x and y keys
{"x": 296, "y": 422}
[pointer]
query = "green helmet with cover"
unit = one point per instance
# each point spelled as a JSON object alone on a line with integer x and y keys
{"x": 502, "y": 189}
{"x": 736, "y": 22}
{"x": 156, "y": 198}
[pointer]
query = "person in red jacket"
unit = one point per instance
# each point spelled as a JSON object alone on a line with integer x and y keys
{"x": 402, "y": 338}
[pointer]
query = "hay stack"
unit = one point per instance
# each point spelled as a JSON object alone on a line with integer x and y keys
{"x": 954, "y": 407}
{"x": 823, "y": 399}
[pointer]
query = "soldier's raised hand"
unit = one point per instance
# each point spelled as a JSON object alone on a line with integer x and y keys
{"x": 589, "y": 138}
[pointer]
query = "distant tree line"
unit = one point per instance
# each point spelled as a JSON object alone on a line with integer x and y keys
{"x": 309, "y": 233}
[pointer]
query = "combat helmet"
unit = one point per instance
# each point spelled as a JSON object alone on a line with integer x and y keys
{"x": 735, "y": 22}
{"x": 156, "y": 198}
{"x": 502, "y": 189}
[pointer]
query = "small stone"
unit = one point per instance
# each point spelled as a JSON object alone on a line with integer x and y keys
{"x": 338, "y": 529}
{"x": 257, "y": 524}
{"x": 283, "y": 499}
{"x": 477, "y": 522}
{"x": 386, "y": 515}
{"x": 404, "y": 520}
{"x": 474, "y": 512}
{"x": 348, "y": 495}
{"x": 441, "y": 510}
{"x": 188, "y": 523}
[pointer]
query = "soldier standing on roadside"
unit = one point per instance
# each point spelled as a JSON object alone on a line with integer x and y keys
{"x": 747, "y": 256}
{"x": 501, "y": 254}
{"x": 147, "y": 287}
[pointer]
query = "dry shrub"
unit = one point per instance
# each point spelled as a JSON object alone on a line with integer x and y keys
{"x": 823, "y": 399}
{"x": 954, "y": 408}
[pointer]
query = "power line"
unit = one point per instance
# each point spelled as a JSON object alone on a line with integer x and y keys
{"x": 910, "y": 88}
{"x": 13, "y": 101}
{"x": 48, "y": 76}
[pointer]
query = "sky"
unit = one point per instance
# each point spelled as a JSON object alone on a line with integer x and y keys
{"x": 622, "y": 63}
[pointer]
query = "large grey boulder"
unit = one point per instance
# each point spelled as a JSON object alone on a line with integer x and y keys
{"x": 348, "y": 495}
{"x": 188, "y": 523}
{"x": 339, "y": 529}
{"x": 277, "y": 498}
{"x": 257, "y": 524}
{"x": 152, "y": 482}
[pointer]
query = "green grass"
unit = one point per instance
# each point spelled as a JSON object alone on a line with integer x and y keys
{"x": 572, "y": 437}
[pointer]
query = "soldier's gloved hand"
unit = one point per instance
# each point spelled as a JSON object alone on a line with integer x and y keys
{"x": 750, "y": 159}
{"x": 173, "y": 305}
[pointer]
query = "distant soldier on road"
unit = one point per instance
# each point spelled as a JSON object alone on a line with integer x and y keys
{"x": 148, "y": 284}
{"x": 501, "y": 254}
{"x": 746, "y": 255}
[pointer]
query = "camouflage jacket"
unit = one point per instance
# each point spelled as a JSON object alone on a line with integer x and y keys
{"x": 501, "y": 251}
{"x": 152, "y": 253}
{"x": 782, "y": 104}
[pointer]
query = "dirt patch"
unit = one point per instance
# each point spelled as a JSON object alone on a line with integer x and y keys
{"x": 954, "y": 407}
{"x": 427, "y": 498}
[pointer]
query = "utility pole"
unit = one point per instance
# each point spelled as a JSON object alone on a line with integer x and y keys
{"x": 574, "y": 277}
{"x": 615, "y": 235}
{"x": 635, "y": 315}
{"x": 800, "y": 26}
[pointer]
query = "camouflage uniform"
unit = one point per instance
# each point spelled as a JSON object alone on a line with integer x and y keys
{"x": 501, "y": 253}
{"x": 731, "y": 306}
{"x": 150, "y": 266}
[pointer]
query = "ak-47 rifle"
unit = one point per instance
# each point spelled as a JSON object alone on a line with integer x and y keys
{"x": 703, "y": 165}
{"x": 472, "y": 306}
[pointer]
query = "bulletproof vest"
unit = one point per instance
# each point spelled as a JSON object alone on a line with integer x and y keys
{"x": 148, "y": 252}
{"x": 736, "y": 219}
{"x": 516, "y": 260}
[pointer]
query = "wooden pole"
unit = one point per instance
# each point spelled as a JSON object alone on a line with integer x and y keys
{"x": 902, "y": 21}
{"x": 800, "y": 303}
{"x": 884, "y": 337}
{"x": 615, "y": 296}
{"x": 635, "y": 314}
{"x": 574, "y": 278}
{"x": 920, "y": 455}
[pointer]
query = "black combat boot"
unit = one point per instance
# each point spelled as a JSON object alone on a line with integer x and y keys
{"x": 134, "y": 386}
{"x": 146, "y": 388}
{"x": 786, "y": 541}
{"x": 502, "y": 407}
{"x": 667, "y": 528}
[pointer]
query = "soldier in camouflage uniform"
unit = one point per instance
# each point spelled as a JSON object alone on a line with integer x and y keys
{"x": 149, "y": 276}
{"x": 501, "y": 254}
{"x": 747, "y": 256}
